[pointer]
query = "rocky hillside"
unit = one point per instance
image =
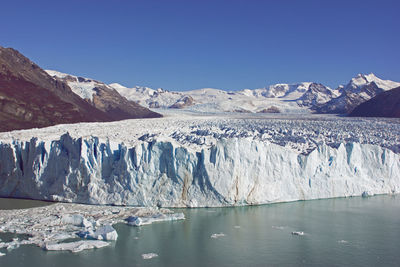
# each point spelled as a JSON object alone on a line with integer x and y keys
{"x": 30, "y": 98}
{"x": 386, "y": 104}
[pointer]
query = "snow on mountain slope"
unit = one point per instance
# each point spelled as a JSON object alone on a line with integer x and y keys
{"x": 104, "y": 97}
{"x": 357, "y": 91}
{"x": 202, "y": 161}
{"x": 288, "y": 91}
{"x": 364, "y": 79}
{"x": 80, "y": 86}
{"x": 302, "y": 97}
{"x": 316, "y": 94}
{"x": 149, "y": 97}
{"x": 215, "y": 100}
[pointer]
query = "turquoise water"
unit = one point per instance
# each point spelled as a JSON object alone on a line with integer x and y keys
{"x": 338, "y": 232}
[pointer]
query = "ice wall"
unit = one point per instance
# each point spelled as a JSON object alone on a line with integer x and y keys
{"x": 235, "y": 171}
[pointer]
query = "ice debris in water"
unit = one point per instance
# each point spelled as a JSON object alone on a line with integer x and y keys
{"x": 217, "y": 235}
{"x": 278, "y": 227}
{"x": 49, "y": 226}
{"x": 148, "y": 256}
{"x": 2, "y": 254}
{"x": 343, "y": 241}
{"x": 297, "y": 233}
{"x": 159, "y": 217}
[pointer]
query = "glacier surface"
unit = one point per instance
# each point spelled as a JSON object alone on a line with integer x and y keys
{"x": 236, "y": 165}
{"x": 202, "y": 161}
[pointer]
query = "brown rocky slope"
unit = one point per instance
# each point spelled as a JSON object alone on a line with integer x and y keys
{"x": 386, "y": 104}
{"x": 30, "y": 98}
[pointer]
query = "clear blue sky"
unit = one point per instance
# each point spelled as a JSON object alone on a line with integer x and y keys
{"x": 230, "y": 44}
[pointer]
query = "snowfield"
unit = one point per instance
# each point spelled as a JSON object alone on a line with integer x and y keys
{"x": 184, "y": 160}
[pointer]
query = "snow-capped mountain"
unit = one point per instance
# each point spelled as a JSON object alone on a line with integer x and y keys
{"x": 104, "y": 97}
{"x": 148, "y": 97}
{"x": 316, "y": 94}
{"x": 289, "y": 91}
{"x": 279, "y": 96}
{"x": 357, "y": 91}
{"x": 364, "y": 79}
{"x": 302, "y": 97}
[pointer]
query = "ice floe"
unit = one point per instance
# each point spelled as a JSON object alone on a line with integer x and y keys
{"x": 148, "y": 256}
{"x": 159, "y": 217}
{"x": 215, "y": 236}
{"x": 77, "y": 246}
{"x": 298, "y": 233}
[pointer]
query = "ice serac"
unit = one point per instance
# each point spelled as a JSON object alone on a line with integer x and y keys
{"x": 234, "y": 171}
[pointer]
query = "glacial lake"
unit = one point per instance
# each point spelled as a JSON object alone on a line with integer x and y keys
{"x": 337, "y": 232}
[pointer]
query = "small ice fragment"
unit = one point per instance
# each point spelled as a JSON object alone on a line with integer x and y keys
{"x": 343, "y": 241}
{"x": 297, "y": 233}
{"x": 136, "y": 238}
{"x": 278, "y": 227}
{"x": 2, "y": 254}
{"x": 159, "y": 217}
{"x": 237, "y": 226}
{"x": 149, "y": 256}
{"x": 217, "y": 235}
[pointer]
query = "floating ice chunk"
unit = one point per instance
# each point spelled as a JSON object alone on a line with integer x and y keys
{"x": 297, "y": 233}
{"x": 106, "y": 232}
{"x": 2, "y": 254}
{"x": 343, "y": 241}
{"x": 149, "y": 256}
{"x": 76, "y": 246}
{"x": 367, "y": 194}
{"x": 236, "y": 226}
{"x": 217, "y": 235}
{"x": 75, "y": 219}
{"x": 61, "y": 236}
{"x": 159, "y": 217}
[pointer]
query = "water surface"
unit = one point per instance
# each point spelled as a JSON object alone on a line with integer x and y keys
{"x": 338, "y": 232}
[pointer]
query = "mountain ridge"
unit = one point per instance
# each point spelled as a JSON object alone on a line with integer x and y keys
{"x": 30, "y": 98}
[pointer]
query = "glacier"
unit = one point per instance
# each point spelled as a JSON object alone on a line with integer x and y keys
{"x": 165, "y": 173}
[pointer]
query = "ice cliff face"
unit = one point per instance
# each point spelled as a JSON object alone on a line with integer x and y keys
{"x": 234, "y": 171}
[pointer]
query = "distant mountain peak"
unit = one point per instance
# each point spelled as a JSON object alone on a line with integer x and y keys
{"x": 364, "y": 79}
